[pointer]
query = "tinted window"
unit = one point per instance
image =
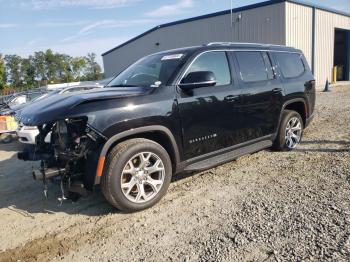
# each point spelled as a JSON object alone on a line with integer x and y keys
{"x": 215, "y": 62}
{"x": 151, "y": 71}
{"x": 252, "y": 66}
{"x": 268, "y": 64}
{"x": 290, "y": 64}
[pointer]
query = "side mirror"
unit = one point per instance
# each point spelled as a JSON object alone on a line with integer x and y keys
{"x": 198, "y": 79}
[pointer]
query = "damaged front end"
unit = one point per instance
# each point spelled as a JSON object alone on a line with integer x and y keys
{"x": 70, "y": 158}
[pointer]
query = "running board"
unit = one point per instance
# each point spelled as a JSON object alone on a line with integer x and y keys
{"x": 229, "y": 156}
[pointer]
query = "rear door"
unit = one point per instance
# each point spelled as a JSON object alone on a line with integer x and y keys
{"x": 262, "y": 94}
{"x": 297, "y": 78}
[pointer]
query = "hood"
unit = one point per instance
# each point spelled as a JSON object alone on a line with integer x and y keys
{"x": 53, "y": 108}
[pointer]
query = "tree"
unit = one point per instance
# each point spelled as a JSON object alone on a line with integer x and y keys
{"x": 64, "y": 68}
{"x": 93, "y": 69}
{"x": 78, "y": 67}
{"x": 28, "y": 72}
{"x": 40, "y": 67}
{"x": 46, "y": 67}
{"x": 3, "y": 77}
{"x": 13, "y": 65}
{"x": 51, "y": 62}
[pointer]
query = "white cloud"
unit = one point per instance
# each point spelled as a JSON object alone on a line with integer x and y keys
{"x": 7, "y": 25}
{"x": 35, "y": 42}
{"x": 53, "y": 4}
{"x": 62, "y": 23}
{"x": 110, "y": 23}
{"x": 171, "y": 10}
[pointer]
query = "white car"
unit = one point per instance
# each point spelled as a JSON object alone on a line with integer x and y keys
{"x": 27, "y": 134}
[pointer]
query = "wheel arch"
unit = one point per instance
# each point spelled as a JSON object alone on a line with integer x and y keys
{"x": 298, "y": 105}
{"x": 157, "y": 133}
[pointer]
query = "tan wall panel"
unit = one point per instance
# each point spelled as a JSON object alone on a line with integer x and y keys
{"x": 299, "y": 28}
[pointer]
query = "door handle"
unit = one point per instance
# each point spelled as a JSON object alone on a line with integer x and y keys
{"x": 231, "y": 98}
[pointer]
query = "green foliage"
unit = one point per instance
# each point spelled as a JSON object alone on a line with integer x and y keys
{"x": 78, "y": 66}
{"x": 47, "y": 67}
{"x": 28, "y": 72}
{"x": 93, "y": 69}
{"x": 13, "y": 66}
{"x": 3, "y": 76}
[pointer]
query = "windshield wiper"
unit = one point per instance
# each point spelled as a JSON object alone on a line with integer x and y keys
{"x": 122, "y": 85}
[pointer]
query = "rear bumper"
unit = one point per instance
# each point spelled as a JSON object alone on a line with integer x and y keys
{"x": 308, "y": 121}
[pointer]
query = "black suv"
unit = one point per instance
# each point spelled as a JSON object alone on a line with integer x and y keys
{"x": 180, "y": 110}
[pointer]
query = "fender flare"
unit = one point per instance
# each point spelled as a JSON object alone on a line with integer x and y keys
{"x": 134, "y": 131}
{"x": 291, "y": 101}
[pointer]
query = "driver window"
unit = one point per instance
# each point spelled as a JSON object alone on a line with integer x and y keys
{"x": 215, "y": 62}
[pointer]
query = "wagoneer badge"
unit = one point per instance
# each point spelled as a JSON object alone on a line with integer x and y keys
{"x": 199, "y": 139}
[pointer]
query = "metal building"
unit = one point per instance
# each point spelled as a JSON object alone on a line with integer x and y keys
{"x": 323, "y": 34}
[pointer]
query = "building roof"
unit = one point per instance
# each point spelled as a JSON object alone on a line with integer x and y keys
{"x": 225, "y": 12}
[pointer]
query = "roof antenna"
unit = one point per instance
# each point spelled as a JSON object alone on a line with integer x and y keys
{"x": 231, "y": 22}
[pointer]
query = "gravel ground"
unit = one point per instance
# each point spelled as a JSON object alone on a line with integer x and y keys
{"x": 266, "y": 206}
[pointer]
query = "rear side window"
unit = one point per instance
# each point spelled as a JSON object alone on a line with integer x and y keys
{"x": 254, "y": 66}
{"x": 291, "y": 64}
{"x": 215, "y": 62}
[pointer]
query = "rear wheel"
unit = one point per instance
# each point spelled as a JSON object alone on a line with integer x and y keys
{"x": 290, "y": 131}
{"x": 137, "y": 175}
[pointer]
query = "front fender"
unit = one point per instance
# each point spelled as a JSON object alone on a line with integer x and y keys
{"x": 140, "y": 130}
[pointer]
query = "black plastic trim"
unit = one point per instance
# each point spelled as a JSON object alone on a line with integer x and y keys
{"x": 229, "y": 156}
{"x": 223, "y": 151}
{"x": 136, "y": 131}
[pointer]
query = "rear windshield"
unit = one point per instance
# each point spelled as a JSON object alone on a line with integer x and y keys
{"x": 291, "y": 64}
{"x": 151, "y": 71}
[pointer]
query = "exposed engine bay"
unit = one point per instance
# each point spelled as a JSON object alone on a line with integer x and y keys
{"x": 70, "y": 158}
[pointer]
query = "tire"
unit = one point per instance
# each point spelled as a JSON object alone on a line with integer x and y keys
{"x": 282, "y": 141}
{"x": 121, "y": 163}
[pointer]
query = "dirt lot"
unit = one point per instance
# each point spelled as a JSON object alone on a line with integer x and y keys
{"x": 266, "y": 206}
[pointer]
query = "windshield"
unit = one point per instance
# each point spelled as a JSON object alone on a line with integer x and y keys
{"x": 151, "y": 71}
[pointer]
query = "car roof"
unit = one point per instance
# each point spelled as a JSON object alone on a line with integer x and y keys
{"x": 232, "y": 46}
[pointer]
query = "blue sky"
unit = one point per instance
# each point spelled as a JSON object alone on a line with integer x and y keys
{"x": 77, "y": 27}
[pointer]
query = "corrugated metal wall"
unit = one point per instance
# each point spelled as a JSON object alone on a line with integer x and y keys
{"x": 299, "y": 35}
{"x": 264, "y": 25}
{"x": 283, "y": 23}
{"x": 299, "y": 28}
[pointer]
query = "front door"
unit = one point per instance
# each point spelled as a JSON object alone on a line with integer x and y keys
{"x": 210, "y": 114}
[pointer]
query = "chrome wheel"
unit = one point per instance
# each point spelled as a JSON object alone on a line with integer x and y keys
{"x": 293, "y": 132}
{"x": 142, "y": 177}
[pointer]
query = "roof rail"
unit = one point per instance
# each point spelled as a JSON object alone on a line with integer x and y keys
{"x": 231, "y": 43}
{"x": 242, "y": 43}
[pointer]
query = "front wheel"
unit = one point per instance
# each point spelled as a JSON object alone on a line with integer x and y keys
{"x": 137, "y": 174}
{"x": 290, "y": 131}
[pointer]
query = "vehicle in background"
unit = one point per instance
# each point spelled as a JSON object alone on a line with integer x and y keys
{"x": 27, "y": 134}
{"x": 19, "y": 99}
{"x": 4, "y": 99}
{"x": 13, "y": 108}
